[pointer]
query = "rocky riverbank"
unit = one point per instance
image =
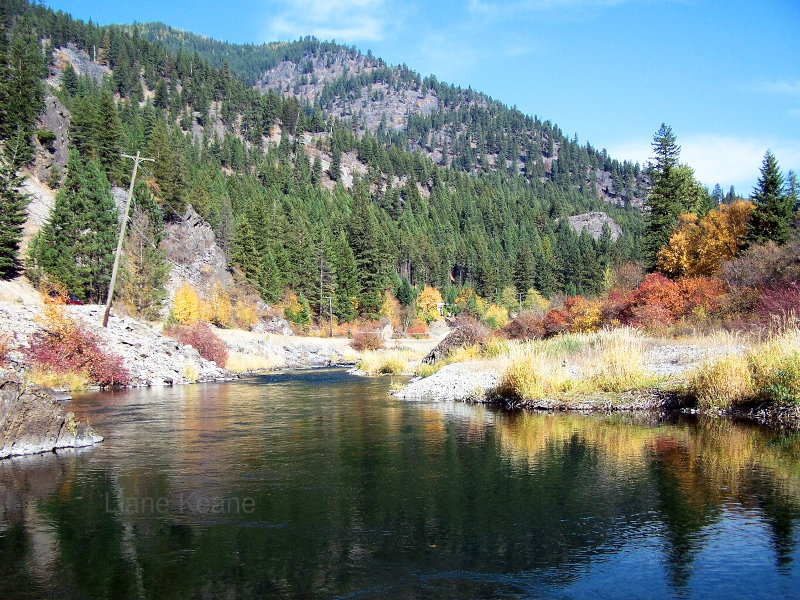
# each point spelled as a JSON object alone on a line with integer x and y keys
{"x": 150, "y": 357}
{"x": 154, "y": 359}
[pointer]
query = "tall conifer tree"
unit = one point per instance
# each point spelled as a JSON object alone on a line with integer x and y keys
{"x": 773, "y": 206}
{"x": 12, "y": 214}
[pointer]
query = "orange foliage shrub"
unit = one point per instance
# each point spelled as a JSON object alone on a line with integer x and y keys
{"x": 418, "y": 328}
{"x": 698, "y": 247}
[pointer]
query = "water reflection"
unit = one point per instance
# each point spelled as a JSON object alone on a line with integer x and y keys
{"x": 355, "y": 493}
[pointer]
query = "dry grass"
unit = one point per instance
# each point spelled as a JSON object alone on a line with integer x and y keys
{"x": 770, "y": 372}
{"x": 605, "y": 361}
{"x": 388, "y": 362}
{"x": 616, "y": 362}
{"x": 530, "y": 373}
{"x": 190, "y": 372}
{"x": 722, "y": 382}
{"x": 58, "y": 381}
{"x": 239, "y": 362}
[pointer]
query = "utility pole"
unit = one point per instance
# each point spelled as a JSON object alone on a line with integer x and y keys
{"x": 136, "y": 161}
{"x": 330, "y": 313}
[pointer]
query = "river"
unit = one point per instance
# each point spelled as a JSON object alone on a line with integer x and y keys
{"x": 319, "y": 484}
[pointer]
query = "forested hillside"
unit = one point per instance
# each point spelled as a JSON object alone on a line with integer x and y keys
{"x": 302, "y": 194}
{"x": 454, "y": 127}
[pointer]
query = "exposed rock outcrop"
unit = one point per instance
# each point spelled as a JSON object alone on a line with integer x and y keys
{"x": 32, "y": 421}
{"x": 196, "y": 259}
{"x": 195, "y": 256}
{"x": 593, "y": 222}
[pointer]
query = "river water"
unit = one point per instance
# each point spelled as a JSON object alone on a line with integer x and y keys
{"x": 320, "y": 485}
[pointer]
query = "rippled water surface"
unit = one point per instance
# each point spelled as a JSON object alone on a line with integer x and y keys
{"x": 320, "y": 485}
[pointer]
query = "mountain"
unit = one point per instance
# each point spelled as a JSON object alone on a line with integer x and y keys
{"x": 323, "y": 172}
{"x": 454, "y": 127}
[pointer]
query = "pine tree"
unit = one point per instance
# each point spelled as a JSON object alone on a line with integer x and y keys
{"x": 24, "y": 90}
{"x": 244, "y": 253}
{"x": 524, "y": 268}
{"x": 144, "y": 269}
{"x": 76, "y": 246}
{"x": 69, "y": 80}
{"x": 335, "y": 169}
{"x": 365, "y": 237}
{"x": 793, "y": 189}
{"x": 406, "y": 294}
{"x": 663, "y": 206}
{"x": 108, "y": 139}
{"x": 347, "y": 288}
{"x": 12, "y": 214}
{"x": 773, "y": 207}
{"x": 167, "y": 171}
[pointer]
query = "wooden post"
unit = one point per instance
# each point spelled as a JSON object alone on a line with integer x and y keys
{"x": 136, "y": 161}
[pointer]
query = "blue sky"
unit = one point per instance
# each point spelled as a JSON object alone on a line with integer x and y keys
{"x": 724, "y": 74}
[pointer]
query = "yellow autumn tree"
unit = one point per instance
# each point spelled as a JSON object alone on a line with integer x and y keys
{"x": 392, "y": 309}
{"x": 219, "y": 308}
{"x": 428, "y": 303}
{"x": 186, "y": 305}
{"x": 698, "y": 247}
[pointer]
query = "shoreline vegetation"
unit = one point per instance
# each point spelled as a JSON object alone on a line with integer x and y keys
{"x": 625, "y": 370}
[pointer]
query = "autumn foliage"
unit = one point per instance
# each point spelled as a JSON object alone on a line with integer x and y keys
{"x": 62, "y": 346}
{"x": 186, "y": 306}
{"x": 698, "y": 247}
{"x": 654, "y": 304}
{"x": 428, "y": 303}
{"x": 202, "y": 338}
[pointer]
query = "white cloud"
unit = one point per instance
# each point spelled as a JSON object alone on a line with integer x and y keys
{"x": 490, "y": 7}
{"x": 342, "y": 20}
{"x": 791, "y": 87}
{"x": 727, "y": 160}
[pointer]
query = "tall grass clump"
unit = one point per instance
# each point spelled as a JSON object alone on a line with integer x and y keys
{"x": 775, "y": 367}
{"x": 722, "y": 382}
{"x": 387, "y": 362}
{"x": 530, "y": 373}
{"x": 238, "y": 362}
{"x": 769, "y": 372}
{"x": 617, "y": 362}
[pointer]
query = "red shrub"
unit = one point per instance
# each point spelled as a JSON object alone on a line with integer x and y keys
{"x": 556, "y": 321}
{"x": 779, "y": 301}
{"x": 658, "y": 291}
{"x": 527, "y": 326}
{"x": 614, "y": 306}
{"x": 701, "y": 292}
{"x": 203, "y": 339}
{"x": 651, "y": 317}
{"x": 367, "y": 340}
{"x": 74, "y": 349}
